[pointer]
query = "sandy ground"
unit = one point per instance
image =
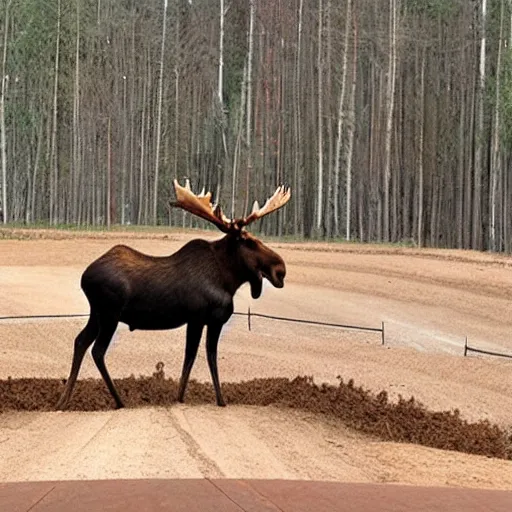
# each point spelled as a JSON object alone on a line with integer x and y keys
{"x": 429, "y": 300}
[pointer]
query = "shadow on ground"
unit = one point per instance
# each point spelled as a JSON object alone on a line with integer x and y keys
{"x": 359, "y": 409}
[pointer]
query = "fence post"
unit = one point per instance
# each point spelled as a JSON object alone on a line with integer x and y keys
{"x": 382, "y": 333}
{"x": 466, "y": 347}
{"x": 249, "y": 317}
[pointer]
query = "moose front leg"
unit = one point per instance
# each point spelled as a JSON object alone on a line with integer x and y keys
{"x": 194, "y": 332}
{"x": 212, "y": 340}
{"x": 82, "y": 342}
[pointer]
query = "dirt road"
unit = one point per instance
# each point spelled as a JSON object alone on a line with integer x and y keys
{"x": 429, "y": 301}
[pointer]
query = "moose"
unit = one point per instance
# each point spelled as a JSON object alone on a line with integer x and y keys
{"x": 194, "y": 286}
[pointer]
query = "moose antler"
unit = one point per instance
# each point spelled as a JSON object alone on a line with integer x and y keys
{"x": 278, "y": 200}
{"x": 201, "y": 206}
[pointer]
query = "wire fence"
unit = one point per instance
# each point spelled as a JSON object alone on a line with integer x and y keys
{"x": 467, "y": 349}
{"x": 42, "y": 317}
{"x": 250, "y": 315}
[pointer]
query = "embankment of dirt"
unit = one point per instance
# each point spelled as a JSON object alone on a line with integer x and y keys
{"x": 373, "y": 414}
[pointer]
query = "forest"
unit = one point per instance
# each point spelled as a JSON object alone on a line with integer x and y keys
{"x": 391, "y": 120}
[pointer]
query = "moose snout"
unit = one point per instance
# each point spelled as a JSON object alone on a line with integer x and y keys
{"x": 278, "y": 275}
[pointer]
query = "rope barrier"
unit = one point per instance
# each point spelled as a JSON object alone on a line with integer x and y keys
{"x": 25, "y": 317}
{"x": 480, "y": 351}
{"x": 311, "y": 322}
{"x": 249, "y": 314}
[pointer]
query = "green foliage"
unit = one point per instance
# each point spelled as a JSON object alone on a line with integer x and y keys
{"x": 34, "y": 25}
{"x": 506, "y": 100}
{"x": 21, "y": 114}
{"x": 433, "y": 8}
{"x": 235, "y": 54}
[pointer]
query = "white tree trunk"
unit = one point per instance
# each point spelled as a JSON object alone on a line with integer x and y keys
{"x": 177, "y": 95}
{"x": 390, "y": 104}
{"x": 142, "y": 152}
{"x": 35, "y": 171}
{"x": 248, "y": 118}
{"x": 239, "y": 130}
{"x": 3, "y": 139}
{"x": 297, "y": 182}
{"x": 248, "y": 128}
{"x": 351, "y": 131}
{"x": 159, "y": 117}
{"x": 221, "y": 56}
{"x": 495, "y": 158}
{"x": 54, "y": 174}
{"x": 76, "y": 121}
{"x": 109, "y": 175}
{"x": 220, "y": 93}
{"x": 125, "y": 155}
{"x": 339, "y": 135}
{"x": 420, "y": 151}
{"x": 320, "y": 182}
{"x": 477, "y": 184}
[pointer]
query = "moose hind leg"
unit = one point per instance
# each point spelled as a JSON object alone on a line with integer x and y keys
{"x": 82, "y": 342}
{"x": 107, "y": 329}
{"x": 194, "y": 332}
{"x": 212, "y": 340}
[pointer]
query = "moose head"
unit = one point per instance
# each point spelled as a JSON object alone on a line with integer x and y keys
{"x": 259, "y": 260}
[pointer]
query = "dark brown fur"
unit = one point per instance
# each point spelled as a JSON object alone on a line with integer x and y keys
{"x": 194, "y": 286}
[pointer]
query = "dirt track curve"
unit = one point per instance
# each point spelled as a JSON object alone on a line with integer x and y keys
{"x": 429, "y": 301}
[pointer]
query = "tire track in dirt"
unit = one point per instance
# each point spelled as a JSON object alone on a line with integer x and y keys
{"x": 208, "y": 467}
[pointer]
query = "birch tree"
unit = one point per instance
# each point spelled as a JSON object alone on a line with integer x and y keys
{"x": 159, "y": 116}
{"x": 75, "y": 198}
{"x": 3, "y": 137}
{"x": 341, "y": 102}
{"x": 249, "y": 103}
{"x": 297, "y": 122}
{"x": 421, "y": 138}
{"x": 54, "y": 172}
{"x": 320, "y": 126}
{"x": 479, "y": 134}
{"x": 390, "y": 106}
{"x": 495, "y": 155}
{"x": 351, "y": 132}
{"x": 220, "y": 93}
